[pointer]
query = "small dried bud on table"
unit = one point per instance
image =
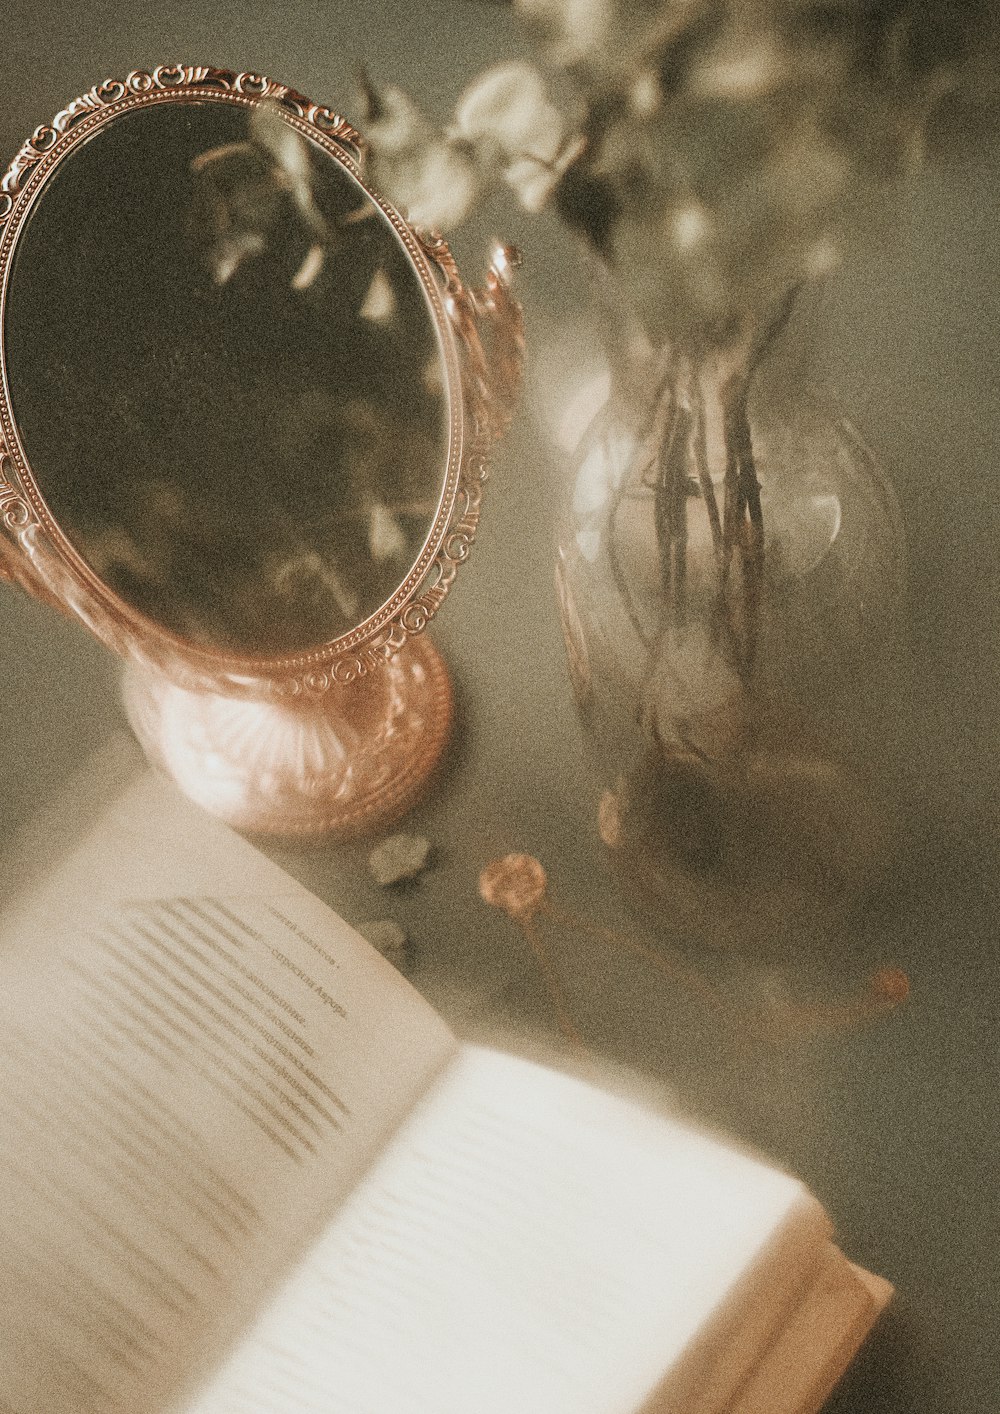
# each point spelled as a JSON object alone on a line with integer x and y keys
{"x": 398, "y": 858}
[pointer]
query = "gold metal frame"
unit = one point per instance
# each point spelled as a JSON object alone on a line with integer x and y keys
{"x": 481, "y": 340}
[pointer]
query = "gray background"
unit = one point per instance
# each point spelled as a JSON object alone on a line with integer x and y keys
{"x": 895, "y": 1126}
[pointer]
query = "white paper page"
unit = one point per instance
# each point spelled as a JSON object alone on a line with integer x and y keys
{"x": 527, "y": 1245}
{"x": 188, "y": 1089}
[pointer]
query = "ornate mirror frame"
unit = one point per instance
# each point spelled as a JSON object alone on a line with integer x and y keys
{"x": 481, "y": 343}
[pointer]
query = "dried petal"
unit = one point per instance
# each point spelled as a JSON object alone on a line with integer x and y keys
{"x": 395, "y": 124}
{"x": 388, "y": 937}
{"x": 435, "y": 185}
{"x": 822, "y": 257}
{"x": 645, "y": 94}
{"x": 286, "y": 146}
{"x": 308, "y": 272}
{"x": 690, "y": 226}
{"x": 379, "y": 304}
{"x": 508, "y": 106}
{"x": 578, "y": 27}
{"x": 891, "y": 984}
{"x": 516, "y": 884}
{"x": 534, "y": 181}
{"x": 386, "y": 540}
{"x": 397, "y": 858}
{"x": 531, "y": 181}
{"x": 741, "y": 70}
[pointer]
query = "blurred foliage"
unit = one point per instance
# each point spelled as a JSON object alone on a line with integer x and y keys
{"x": 708, "y": 153}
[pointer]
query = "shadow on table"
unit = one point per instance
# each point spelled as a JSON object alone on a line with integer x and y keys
{"x": 901, "y": 1370}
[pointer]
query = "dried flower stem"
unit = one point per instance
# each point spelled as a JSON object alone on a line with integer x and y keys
{"x": 617, "y": 573}
{"x": 677, "y": 434}
{"x": 517, "y": 884}
{"x": 660, "y": 428}
{"x": 552, "y": 983}
{"x": 670, "y": 514}
{"x": 670, "y": 966}
{"x": 700, "y": 442}
{"x": 748, "y": 528}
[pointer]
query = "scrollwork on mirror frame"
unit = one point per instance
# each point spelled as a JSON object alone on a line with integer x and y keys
{"x": 489, "y": 342}
{"x": 14, "y": 509}
{"x": 16, "y": 519}
{"x": 166, "y": 78}
{"x": 28, "y": 559}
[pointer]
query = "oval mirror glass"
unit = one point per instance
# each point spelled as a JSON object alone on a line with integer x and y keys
{"x": 228, "y": 377}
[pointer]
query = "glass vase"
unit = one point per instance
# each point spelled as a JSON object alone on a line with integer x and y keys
{"x": 731, "y": 578}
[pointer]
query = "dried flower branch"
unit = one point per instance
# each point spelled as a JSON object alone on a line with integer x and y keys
{"x": 517, "y": 884}
{"x": 708, "y": 152}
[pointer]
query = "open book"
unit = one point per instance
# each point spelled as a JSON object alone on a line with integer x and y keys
{"x": 246, "y": 1169}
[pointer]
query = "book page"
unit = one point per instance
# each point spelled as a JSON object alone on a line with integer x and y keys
{"x": 192, "y": 1082}
{"x": 528, "y": 1244}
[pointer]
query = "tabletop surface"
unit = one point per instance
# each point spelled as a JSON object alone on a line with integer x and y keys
{"x": 896, "y": 1124}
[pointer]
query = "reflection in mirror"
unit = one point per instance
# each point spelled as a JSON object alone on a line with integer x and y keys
{"x": 226, "y": 378}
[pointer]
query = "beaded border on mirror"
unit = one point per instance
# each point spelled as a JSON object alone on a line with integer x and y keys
{"x": 482, "y": 343}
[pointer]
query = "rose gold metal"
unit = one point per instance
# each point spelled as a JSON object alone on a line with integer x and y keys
{"x": 516, "y": 884}
{"x": 482, "y": 348}
{"x": 481, "y": 340}
{"x": 335, "y": 764}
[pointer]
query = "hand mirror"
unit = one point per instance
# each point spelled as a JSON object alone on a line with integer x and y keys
{"x": 244, "y": 415}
